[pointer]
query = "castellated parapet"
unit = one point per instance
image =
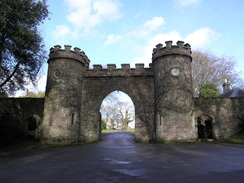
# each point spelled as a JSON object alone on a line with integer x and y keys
{"x": 56, "y": 52}
{"x": 169, "y": 49}
{"x": 125, "y": 70}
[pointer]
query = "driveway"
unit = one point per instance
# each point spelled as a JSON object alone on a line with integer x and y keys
{"x": 118, "y": 159}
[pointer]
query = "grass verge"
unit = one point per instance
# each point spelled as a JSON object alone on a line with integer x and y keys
{"x": 104, "y": 132}
{"x": 131, "y": 131}
{"x": 237, "y": 138}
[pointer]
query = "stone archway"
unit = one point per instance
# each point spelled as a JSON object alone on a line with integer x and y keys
{"x": 139, "y": 89}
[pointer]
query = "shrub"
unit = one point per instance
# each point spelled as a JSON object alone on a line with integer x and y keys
{"x": 104, "y": 125}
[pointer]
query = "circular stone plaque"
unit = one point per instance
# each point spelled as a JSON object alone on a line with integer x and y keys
{"x": 57, "y": 74}
{"x": 175, "y": 71}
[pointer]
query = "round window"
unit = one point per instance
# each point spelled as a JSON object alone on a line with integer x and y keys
{"x": 175, "y": 72}
{"x": 57, "y": 74}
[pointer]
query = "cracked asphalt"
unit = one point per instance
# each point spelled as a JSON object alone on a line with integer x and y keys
{"x": 117, "y": 158}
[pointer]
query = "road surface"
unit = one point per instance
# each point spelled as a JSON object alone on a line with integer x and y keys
{"x": 117, "y": 158}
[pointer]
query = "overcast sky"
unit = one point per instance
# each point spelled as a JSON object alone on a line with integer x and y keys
{"x": 126, "y": 31}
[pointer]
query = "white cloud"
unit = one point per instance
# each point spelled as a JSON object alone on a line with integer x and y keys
{"x": 61, "y": 31}
{"x": 89, "y": 13}
{"x": 152, "y": 42}
{"x": 85, "y": 14}
{"x": 201, "y": 37}
{"x": 148, "y": 27}
{"x": 111, "y": 39}
{"x": 106, "y": 8}
{"x": 41, "y": 84}
{"x": 161, "y": 38}
{"x": 153, "y": 24}
{"x": 198, "y": 39}
{"x": 142, "y": 31}
{"x": 186, "y": 2}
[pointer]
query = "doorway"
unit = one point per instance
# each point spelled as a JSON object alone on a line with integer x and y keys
{"x": 205, "y": 127}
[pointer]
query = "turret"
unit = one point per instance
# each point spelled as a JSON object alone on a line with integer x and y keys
{"x": 173, "y": 92}
{"x": 63, "y": 95}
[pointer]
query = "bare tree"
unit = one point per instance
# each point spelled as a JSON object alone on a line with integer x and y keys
{"x": 208, "y": 68}
{"x": 116, "y": 112}
{"x": 126, "y": 115}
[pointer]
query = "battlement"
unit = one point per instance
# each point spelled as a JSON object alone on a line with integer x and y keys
{"x": 169, "y": 49}
{"x": 125, "y": 70}
{"x": 76, "y": 54}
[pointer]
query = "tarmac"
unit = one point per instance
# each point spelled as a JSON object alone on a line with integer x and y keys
{"x": 117, "y": 158}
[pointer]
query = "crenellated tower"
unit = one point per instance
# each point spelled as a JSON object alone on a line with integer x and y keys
{"x": 63, "y": 95}
{"x": 162, "y": 95}
{"x": 174, "y": 113}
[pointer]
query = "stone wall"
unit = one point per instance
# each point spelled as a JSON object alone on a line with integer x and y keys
{"x": 23, "y": 109}
{"x": 225, "y": 112}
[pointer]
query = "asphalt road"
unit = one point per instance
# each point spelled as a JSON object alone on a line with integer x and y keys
{"x": 118, "y": 159}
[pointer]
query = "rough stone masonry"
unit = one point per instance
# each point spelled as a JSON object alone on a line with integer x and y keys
{"x": 162, "y": 95}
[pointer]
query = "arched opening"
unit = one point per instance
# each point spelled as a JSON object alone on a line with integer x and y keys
{"x": 117, "y": 113}
{"x": 205, "y": 129}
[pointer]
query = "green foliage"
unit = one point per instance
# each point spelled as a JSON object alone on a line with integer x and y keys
{"x": 107, "y": 131}
{"x": 104, "y": 125}
{"x": 208, "y": 91}
{"x": 132, "y": 131}
{"x": 237, "y": 138}
{"x": 40, "y": 94}
{"x": 21, "y": 47}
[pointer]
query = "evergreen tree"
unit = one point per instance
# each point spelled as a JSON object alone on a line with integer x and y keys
{"x": 21, "y": 46}
{"x": 208, "y": 91}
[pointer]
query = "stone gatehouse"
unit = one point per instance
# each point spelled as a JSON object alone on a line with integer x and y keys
{"x": 162, "y": 95}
